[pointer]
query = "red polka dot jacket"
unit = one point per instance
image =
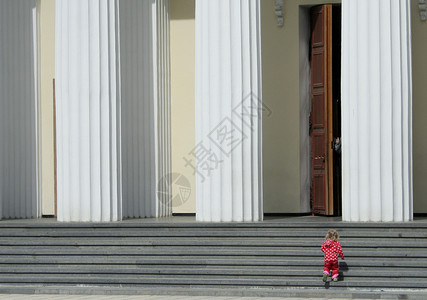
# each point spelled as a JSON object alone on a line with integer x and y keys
{"x": 332, "y": 249}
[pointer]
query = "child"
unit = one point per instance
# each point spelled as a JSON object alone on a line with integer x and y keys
{"x": 332, "y": 248}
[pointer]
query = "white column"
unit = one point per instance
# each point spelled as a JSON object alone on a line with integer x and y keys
{"x": 227, "y": 156}
{"x": 87, "y": 110}
{"x": 162, "y": 102}
{"x": 18, "y": 109}
{"x": 376, "y": 110}
{"x": 145, "y": 86}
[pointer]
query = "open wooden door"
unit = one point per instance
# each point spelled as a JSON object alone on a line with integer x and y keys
{"x": 321, "y": 110}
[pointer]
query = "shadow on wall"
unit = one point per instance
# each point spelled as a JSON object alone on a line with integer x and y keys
{"x": 183, "y": 9}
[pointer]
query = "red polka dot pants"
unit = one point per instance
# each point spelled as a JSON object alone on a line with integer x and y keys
{"x": 331, "y": 265}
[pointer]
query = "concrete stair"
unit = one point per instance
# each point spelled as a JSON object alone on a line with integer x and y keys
{"x": 223, "y": 257}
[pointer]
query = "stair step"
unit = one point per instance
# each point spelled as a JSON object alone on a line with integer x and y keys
{"x": 212, "y": 281}
{"x": 235, "y": 241}
{"x": 204, "y": 260}
{"x": 212, "y": 270}
{"x": 222, "y": 256}
{"x": 177, "y": 222}
{"x": 211, "y": 251}
{"x": 405, "y": 233}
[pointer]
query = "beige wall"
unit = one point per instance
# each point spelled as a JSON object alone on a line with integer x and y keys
{"x": 419, "y": 79}
{"x": 280, "y": 73}
{"x": 281, "y": 130}
{"x": 182, "y": 43}
{"x": 47, "y": 61}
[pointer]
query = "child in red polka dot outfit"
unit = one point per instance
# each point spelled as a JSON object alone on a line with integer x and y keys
{"x": 332, "y": 248}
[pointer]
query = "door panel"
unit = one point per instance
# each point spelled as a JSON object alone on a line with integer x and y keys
{"x": 318, "y": 73}
{"x": 321, "y": 117}
{"x": 318, "y": 111}
{"x": 318, "y": 150}
{"x": 319, "y": 185}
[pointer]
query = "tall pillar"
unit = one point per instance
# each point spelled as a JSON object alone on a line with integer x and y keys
{"x": 227, "y": 156}
{"x": 18, "y": 109}
{"x": 87, "y": 111}
{"x": 376, "y": 110}
{"x": 145, "y": 88}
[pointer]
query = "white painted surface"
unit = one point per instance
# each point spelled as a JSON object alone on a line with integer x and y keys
{"x": 376, "y": 111}
{"x": 162, "y": 102}
{"x": 87, "y": 111}
{"x": 145, "y": 86}
{"x": 18, "y": 105}
{"x": 228, "y": 153}
{"x": 113, "y": 105}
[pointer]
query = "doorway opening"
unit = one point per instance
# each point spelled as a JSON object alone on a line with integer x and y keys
{"x": 325, "y": 109}
{"x": 336, "y": 107}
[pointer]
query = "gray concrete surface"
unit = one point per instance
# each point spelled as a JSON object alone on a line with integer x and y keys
{"x": 102, "y": 297}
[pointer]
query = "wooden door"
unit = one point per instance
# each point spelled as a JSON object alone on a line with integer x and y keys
{"x": 321, "y": 110}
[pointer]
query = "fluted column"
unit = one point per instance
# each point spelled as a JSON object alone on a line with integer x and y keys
{"x": 87, "y": 110}
{"x": 227, "y": 158}
{"x": 145, "y": 86}
{"x": 376, "y": 110}
{"x": 18, "y": 109}
{"x": 163, "y": 110}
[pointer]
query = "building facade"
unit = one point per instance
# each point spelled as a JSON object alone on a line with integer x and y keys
{"x": 227, "y": 109}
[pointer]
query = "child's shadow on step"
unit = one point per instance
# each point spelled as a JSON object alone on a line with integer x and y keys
{"x": 343, "y": 268}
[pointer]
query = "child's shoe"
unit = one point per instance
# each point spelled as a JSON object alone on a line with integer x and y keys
{"x": 335, "y": 279}
{"x": 325, "y": 277}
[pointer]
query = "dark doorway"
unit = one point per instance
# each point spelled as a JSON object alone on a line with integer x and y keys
{"x": 336, "y": 105}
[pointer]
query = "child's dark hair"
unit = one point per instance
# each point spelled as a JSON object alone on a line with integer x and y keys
{"x": 332, "y": 235}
